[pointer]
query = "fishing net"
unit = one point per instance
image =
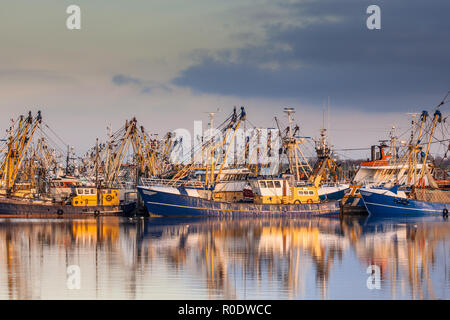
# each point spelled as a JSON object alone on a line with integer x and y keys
{"x": 431, "y": 195}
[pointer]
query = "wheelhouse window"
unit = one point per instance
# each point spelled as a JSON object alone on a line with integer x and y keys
{"x": 270, "y": 184}
{"x": 277, "y": 184}
{"x": 262, "y": 184}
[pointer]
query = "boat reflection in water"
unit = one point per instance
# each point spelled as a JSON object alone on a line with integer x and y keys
{"x": 160, "y": 258}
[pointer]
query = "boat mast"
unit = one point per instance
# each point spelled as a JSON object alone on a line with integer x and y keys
{"x": 437, "y": 117}
{"x": 209, "y": 172}
{"x": 258, "y": 141}
{"x": 96, "y": 163}
{"x": 418, "y": 148}
{"x": 393, "y": 145}
{"x": 229, "y": 128}
{"x": 409, "y": 160}
{"x": 9, "y": 158}
{"x": 108, "y": 150}
{"x": 292, "y": 145}
{"x": 235, "y": 129}
{"x": 67, "y": 160}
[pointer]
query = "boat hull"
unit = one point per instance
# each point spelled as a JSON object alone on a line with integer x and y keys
{"x": 173, "y": 204}
{"x": 332, "y": 193}
{"x": 382, "y": 205}
{"x": 21, "y": 208}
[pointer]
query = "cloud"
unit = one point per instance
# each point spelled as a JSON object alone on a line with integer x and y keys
{"x": 330, "y": 52}
{"x": 143, "y": 86}
{"x": 120, "y": 80}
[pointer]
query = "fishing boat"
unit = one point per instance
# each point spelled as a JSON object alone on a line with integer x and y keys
{"x": 237, "y": 191}
{"x": 368, "y": 173}
{"x": 27, "y": 186}
{"x": 414, "y": 198}
{"x": 61, "y": 188}
{"x": 394, "y": 202}
{"x": 383, "y": 163}
{"x": 271, "y": 197}
{"x": 325, "y": 174}
{"x": 83, "y": 200}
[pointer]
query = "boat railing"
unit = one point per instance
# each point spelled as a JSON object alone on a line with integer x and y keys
{"x": 331, "y": 184}
{"x": 148, "y": 182}
{"x": 124, "y": 185}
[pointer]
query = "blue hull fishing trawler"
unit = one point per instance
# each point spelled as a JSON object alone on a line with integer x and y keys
{"x": 388, "y": 203}
{"x": 177, "y": 202}
{"x": 384, "y": 160}
{"x": 419, "y": 195}
{"x": 215, "y": 188}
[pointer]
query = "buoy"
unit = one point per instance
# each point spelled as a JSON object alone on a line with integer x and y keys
{"x": 445, "y": 213}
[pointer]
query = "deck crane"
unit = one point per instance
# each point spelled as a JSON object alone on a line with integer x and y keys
{"x": 20, "y": 136}
{"x": 325, "y": 164}
{"x": 298, "y": 164}
{"x": 39, "y": 161}
{"x": 108, "y": 158}
{"x": 212, "y": 175}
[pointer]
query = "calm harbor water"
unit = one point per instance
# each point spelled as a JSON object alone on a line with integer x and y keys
{"x": 161, "y": 258}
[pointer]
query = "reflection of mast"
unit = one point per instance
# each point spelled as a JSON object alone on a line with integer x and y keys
{"x": 323, "y": 264}
{"x": 216, "y": 265}
{"x": 419, "y": 253}
{"x": 8, "y": 263}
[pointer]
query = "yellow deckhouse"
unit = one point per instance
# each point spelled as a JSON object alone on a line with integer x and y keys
{"x": 91, "y": 196}
{"x": 280, "y": 191}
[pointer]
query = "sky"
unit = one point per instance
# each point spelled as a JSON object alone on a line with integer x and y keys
{"x": 169, "y": 62}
